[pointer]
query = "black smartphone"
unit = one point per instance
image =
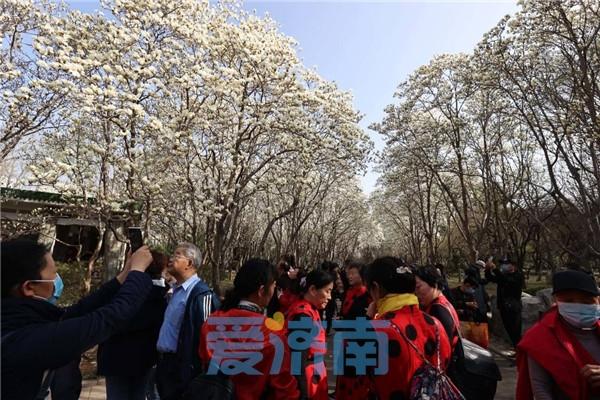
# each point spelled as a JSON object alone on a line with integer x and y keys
{"x": 135, "y": 238}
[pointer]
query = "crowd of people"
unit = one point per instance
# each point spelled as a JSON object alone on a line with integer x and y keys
{"x": 397, "y": 331}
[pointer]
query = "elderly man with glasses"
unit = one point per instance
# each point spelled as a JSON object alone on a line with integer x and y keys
{"x": 191, "y": 303}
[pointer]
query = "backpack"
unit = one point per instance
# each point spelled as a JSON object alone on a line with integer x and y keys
{"x": 210, "y": 387}
{"x": 429, "y": 381}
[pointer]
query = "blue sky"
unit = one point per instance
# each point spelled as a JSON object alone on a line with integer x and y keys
{"x": 369, "y": 47}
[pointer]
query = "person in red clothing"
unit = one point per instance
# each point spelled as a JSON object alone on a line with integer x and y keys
{"x": 356, "y": 299}
{"x": 304, "y": 326}
{"x": 253, "y": 288}
{"x": 391, "y": 285}
{"x": 356, "y": 302}
{"x": 429, "y": 291}
{"x": 559, "y": 357}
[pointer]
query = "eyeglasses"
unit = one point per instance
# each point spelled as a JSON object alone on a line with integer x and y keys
{"x": 176, "y": 256}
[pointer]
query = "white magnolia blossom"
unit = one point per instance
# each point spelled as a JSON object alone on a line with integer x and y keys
{"x": 186, "y": 111}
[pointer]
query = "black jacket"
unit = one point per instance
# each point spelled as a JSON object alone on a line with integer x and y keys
{"x": 510, "y": 287}
{"x": 38, "y": 336}
{"x": 132, "y": 351}
{"x": 459, "y": 300}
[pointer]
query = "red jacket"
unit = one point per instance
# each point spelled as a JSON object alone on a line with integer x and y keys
{"x": 315, "y": 373}
{"x": 250, "y": 387}
{"x": 403, "y": 360}
{"x": 551, "y": 345}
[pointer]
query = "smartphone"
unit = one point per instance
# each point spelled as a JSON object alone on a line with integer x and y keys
{"x": 135, "y": 238}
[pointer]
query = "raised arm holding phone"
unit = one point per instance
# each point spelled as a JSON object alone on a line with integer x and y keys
{"x": 38, "y": 336}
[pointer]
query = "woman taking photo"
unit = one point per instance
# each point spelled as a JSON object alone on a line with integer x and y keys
{"x": 304, "y": 325}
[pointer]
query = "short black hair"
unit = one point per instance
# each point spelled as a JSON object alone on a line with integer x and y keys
{"x": 21, "y": 260}
{"x": 392, "y": 274}
{"x": 430, "y": 275}
{"x": 329, "y": 266}
{"x": 362, "y": 268}
{"x": 290, "y": 259}
{"x": 355, "y": 264}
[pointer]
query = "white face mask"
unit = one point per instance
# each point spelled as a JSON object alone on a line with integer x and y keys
{"x": 583, "y": 316}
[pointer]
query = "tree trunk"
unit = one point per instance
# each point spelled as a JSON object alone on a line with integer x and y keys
{"x": 91, "y": 265}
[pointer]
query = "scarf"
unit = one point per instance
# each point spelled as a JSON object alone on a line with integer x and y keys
{"x": 393, "y": 302}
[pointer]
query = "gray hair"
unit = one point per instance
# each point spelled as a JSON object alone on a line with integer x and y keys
{"x": 192, "y": 252}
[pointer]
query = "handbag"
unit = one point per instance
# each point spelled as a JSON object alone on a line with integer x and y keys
{"x": 476, "y": 332}
{"x": 474, "y": 371}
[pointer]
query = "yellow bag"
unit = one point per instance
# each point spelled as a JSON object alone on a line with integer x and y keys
{"x": 476, "y": 332}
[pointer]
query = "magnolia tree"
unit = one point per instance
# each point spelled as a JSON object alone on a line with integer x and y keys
{"x": 497, "y": 152}
{"x": 546, "y": 62}
{"x": 31, "y": 97}
{"x": 180, "y": 115}
{"x": 332, "y": 221}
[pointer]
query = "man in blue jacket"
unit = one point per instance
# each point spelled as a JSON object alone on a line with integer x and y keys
{"x": 39, "y": 337}
{"x": 190, "y": 305}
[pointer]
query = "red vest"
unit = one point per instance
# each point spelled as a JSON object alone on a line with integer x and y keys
{"x": 443, "y": 301}
{"x": 315, "y": 373}
{"x": 551, "y": 345}
{"x": 351, "y": 294}
{"x": 281, "y": 386}
{"x": 403, "y": 360}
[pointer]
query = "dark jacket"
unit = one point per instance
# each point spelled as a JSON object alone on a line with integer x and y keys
{"x": 187, "y": 364}
{"x": 38, "y": 336}
{"x": 459, "y": 301}
{"x": 481, "y": 296}
{"x": 132, "y": 351}
{"x": 510, "y": 287}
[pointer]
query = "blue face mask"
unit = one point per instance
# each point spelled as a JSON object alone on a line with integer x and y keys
{"x": 470, "y": 290}
{"x": 579, "y": 315}
{"x": 58, "y": 289}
